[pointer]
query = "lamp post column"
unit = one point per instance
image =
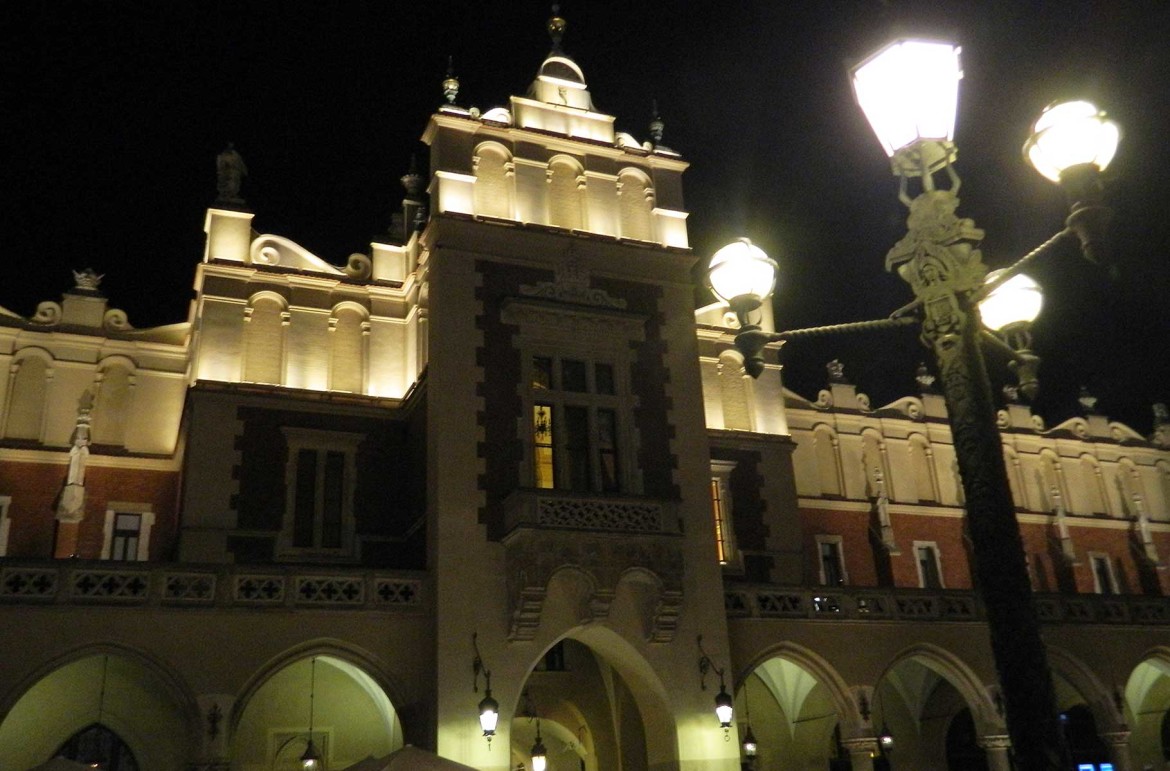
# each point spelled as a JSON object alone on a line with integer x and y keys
{"x": 940, "y": 260}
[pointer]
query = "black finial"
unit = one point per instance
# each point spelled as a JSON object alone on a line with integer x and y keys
{"x": 412, "y": 180}
{"x": 450, "y": 83}
{"x": 556, "y": 27}
{"x": 656, "y": 124}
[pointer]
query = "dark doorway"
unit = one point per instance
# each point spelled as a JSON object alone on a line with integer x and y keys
{"x": 99, "y": 746}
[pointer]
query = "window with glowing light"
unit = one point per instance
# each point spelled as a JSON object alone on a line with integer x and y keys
{"x": 721, "y": 509}
{"x": 575, "y": 430}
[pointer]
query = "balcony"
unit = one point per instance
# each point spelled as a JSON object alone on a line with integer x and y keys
{"x": 175, "y": 585}
{"x": 866, "y": 604}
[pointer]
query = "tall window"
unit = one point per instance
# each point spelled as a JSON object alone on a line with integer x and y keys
{"x": 264, "y": 341}
{"x": 26, "y": 404}
{"x": 721, "y": 510}
{"x": 1104, "y": 581}
{"x": 127, "y": 531}
{"x": 832, "y": 564}
{"x": 929, "y": 572}
{"x": 320, "y": 482}
{"x": 575, "y": 427}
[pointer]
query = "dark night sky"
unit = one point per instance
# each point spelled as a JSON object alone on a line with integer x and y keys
{"x": 113, "y": 113}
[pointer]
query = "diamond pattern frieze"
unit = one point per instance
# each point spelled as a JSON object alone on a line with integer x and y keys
{"x": 110, "y": 585}
{"x": 29, "y": 583}
{"x": 189, "y": 588}
{"x": 261, "y": 589}
{"x": 330, "y": 590}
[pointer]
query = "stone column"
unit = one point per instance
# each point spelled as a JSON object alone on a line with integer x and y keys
{"x": 1118, "y": 742}
{"x": 997, "y": 747}
{"x": 861, "y": 752}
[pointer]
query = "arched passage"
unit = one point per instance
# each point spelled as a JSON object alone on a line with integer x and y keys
{"x": 352, "y": 717}
{"x": 936, "y": 710}
{"x": 799, "y": 709}
{"x": 135, "y": 698}
{"x": 600, "y": 703}
{"x": 1147, "y": 696}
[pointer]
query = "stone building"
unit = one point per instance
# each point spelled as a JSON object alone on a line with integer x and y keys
{"x": 504, "y": 435}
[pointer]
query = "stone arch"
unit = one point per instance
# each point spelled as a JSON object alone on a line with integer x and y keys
{"x": 922, "y": 467}
{"x": 636, "y": 204}
{"x": 957, "y": 672}
{"x": 826, "y": 448}
{"x": 1079, "y": 677}
{"x": 114, "y": 384}
{"x": 1095, "y": 500}
{"x": 494, "y": 175}
{"x": 1129, "y": 487}
{"x": 919, "y": 697}
{"x": 1048, "y": 476}
{"x": 565, "y": 183}
{"x": 1147, "y": 702}
{"x": 28, "y": 379}
{"x": 1011, "y": 460}
{"x": 355, "y": 706}
{"x": 623, "y": 674}
{"x": 798, "y": 706}
{"x": 349, "y": 325}
{"x": 265, "y": 317}
{"x": 145, "y": 702}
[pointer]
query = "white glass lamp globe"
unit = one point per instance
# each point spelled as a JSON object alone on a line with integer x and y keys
{"x": 741, "y": 270}
{"x": 1015, "y": 302}
{"x": 909, "y": 91}
{"x": 1071, "y": 134}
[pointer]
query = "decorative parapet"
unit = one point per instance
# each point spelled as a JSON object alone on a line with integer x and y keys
{"x": 916, "y": 605}
{"x": 633, "y": 539}
{"x": 131, "y": 584}
{"x": 589, "y": 512}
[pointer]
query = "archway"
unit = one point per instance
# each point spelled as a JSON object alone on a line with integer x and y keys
{"x": 589, "y": 715}
{"x": 935, "y": 710}
{"x": 796, "y": 706}
{"x": 1147, "y": 695}
{"x": 97, "y": 707}
{"x": 352, "y": 717}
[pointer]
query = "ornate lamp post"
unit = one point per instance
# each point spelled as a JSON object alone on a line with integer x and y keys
{"x": 909, "y": 92}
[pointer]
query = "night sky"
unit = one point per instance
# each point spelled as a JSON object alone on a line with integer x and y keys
{"x": 113, "y": 113}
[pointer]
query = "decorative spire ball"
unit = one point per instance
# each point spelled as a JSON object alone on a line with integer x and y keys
{"x": 450, "y": 83}
{"x": 556, "y": 27}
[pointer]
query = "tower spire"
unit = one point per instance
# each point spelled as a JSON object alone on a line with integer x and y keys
{"x": 556, "y": 28}
{"x": 450, "y": 83}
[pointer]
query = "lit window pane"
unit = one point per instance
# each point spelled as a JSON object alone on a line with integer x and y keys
{"x": 720, "y": 521}
{"x": 542, "y": 440}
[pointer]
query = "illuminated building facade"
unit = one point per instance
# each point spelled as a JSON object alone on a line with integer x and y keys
{"x": 289, "y": 517}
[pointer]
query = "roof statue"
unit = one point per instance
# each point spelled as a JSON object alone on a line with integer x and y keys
{"x": 556, "y": 28}
{"x": 229, "y": 175}
{"x": 88, "y": 280}
{"x": 450, "y": 83}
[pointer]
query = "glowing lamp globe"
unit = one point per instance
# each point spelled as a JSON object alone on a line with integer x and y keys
{"x": 724, "y": 708}
{"x": 742, "y": 275}
{"x": 539, "y": 756}
{"x": 1071, "y": 134}
{"x": 750, "y": 746}
{"x": 909, "y": 92}
{"x": 311, "y": 760}
{"x": 489, "y": 714}
{"x": 1014, "y": 303}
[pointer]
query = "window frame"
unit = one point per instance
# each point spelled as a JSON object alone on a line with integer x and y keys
{"x": 321, "y": 443}
{"x": 722, "y": 511}
{"x": 560, "y": 401}
{"x": 936, "y": 554}
{"x": 838, "y": 542}
{"x": 145, "y": 513}
{"x": 1095, "y": 558}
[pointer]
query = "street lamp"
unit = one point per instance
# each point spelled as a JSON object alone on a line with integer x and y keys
{"x": 909, "y": 93}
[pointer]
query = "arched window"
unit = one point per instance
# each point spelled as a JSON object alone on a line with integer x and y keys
{"x": 113, "y": 405}
{"x": 873, "y": 456}
{"x": 828, "y": 462}
{"x": 636, "y": 202}
{"x": 493, "y": 184}
{"x": 922, "y": 463}
{"x": 347, "y": 364}
{"x": 564, "y": 196}
{"x": 264, "y": 341}
{"x": 1011, "y": 462}
{"x": 1093, "y": 485}
{"x": 26, "y": 403}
